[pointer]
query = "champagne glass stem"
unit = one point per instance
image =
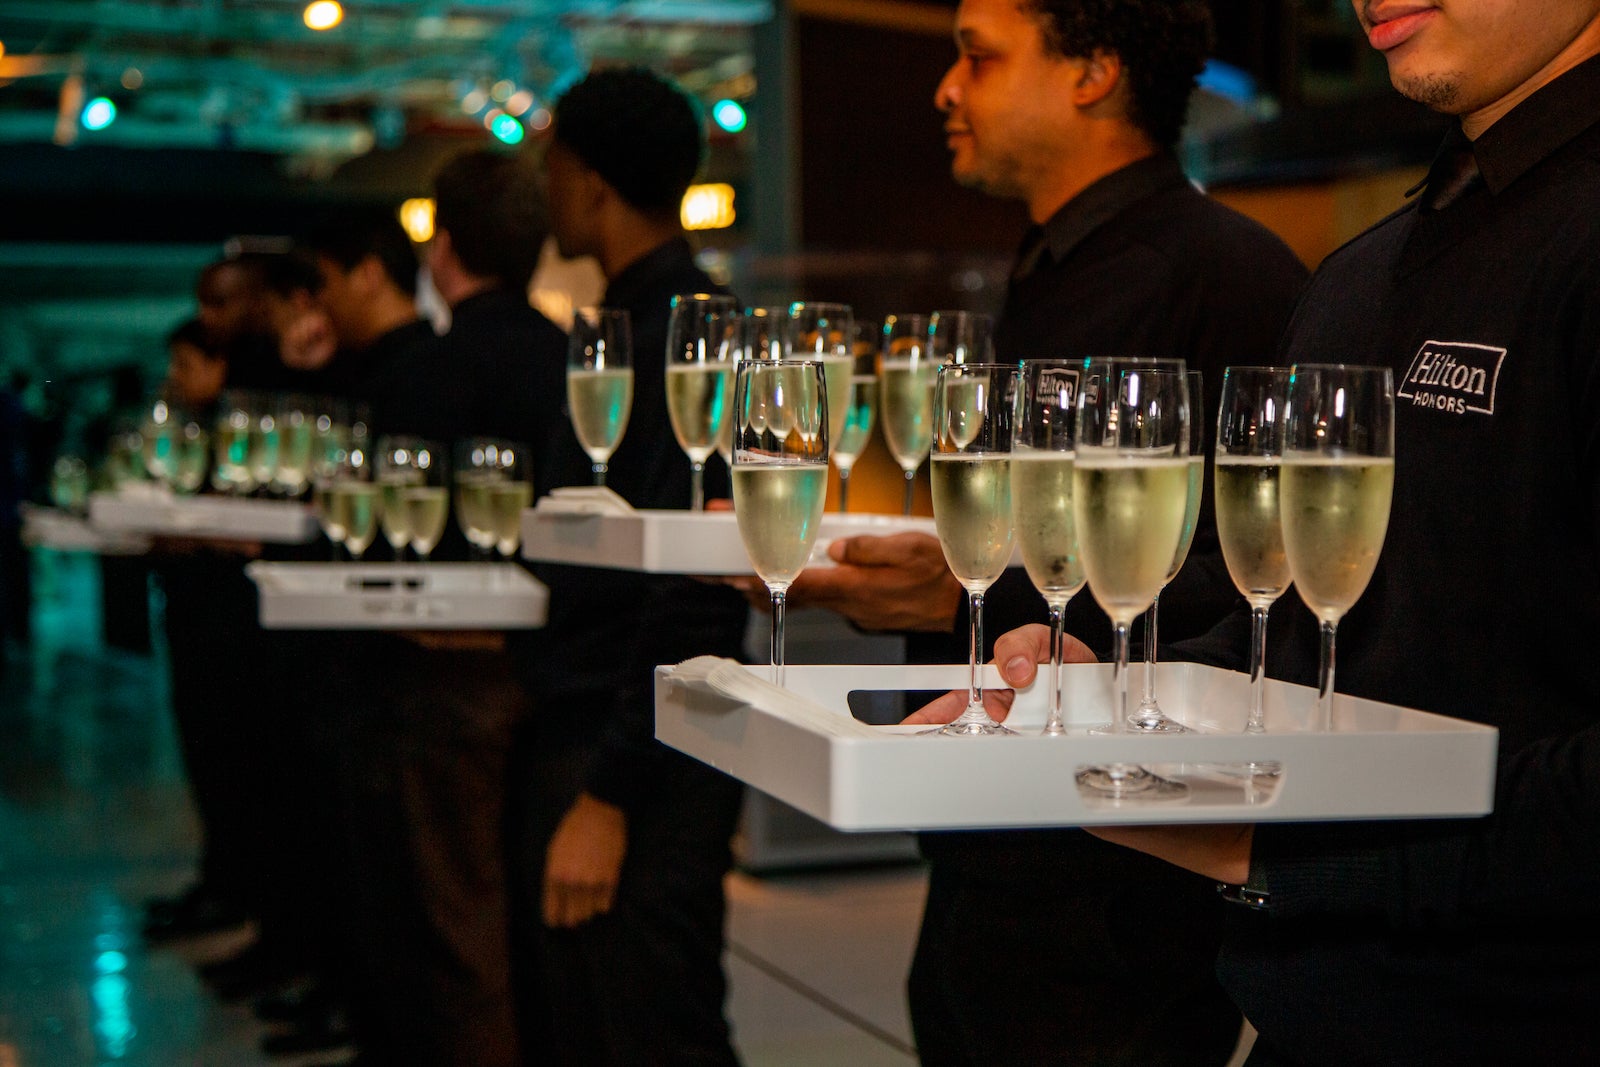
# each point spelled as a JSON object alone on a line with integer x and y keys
{"x": 1147, "y": 703}
{"x": 911, "y": 483}
{"x": 1325, "y": 678}
{"x": 697, "y": 485}
{"x": 599, "y": 470}
{"x": 1258, "y": 669}
{"x": 844, "y": 489}
{"x": 1053, "y": 726}
{"x": 779, "y": 599}
{"x": 975, "y": 652}
{"x": 1119, "y": 678}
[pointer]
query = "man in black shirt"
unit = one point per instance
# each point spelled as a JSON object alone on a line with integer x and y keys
{"x": 625, "y": 843}
{"x": 1073, "y": 108}
{"x": 1455, "y": 942}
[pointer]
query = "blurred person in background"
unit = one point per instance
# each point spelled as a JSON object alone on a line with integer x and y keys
{"x": 623, "y": 844}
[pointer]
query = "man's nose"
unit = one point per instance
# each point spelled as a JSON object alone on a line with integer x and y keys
{"x": 948, "y": 95}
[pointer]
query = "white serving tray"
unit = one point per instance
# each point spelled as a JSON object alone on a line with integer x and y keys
{"x": 149, "y": 510}
{"x": 1379, "y": 761}
{"x": 677, "y": 542}
{"x": 64, "y": 531}
{"x": 398, "y": 596}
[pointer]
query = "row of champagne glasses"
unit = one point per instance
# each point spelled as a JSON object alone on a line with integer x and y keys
{"x": 709, "y": 335}
{"x": 1097, "y": 479}
{"x": 403, "y": 489}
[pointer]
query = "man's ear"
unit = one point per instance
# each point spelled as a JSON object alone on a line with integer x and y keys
{"x": 1099, "y": 77}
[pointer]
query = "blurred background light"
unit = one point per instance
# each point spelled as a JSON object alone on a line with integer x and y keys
{"x": 729, "y": 115}
{"x": 324, "y": 14}
{"x": 707, "y": 207}
{"x": 506, "y": 128}
{"x": 416, "y": 215}
{"x": 98, "y": 114}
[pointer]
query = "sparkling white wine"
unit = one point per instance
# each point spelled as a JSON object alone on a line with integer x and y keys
{"x": 963, "y": 409}
{"x": 231, "y": 472}
{"x": 1129, "y": 515}
{"x": 837, "y": 372}
{"x": 1041, "y": 516}
{"x": 779, "y": 507}
{"x": 506, "y": 501}
{"x": 859, "y": 415}
{"x": 193, "y": 455}
{"x": 906, "y": 409}
{"x": 600, "y": 401}
{"x": 355, "y": 507}
{"x": 322, "y": 505}
{"x": 295, "y": 440}
{"x": 1191, "y": 513}
{"x": 1335, "y": 514}
{"x": 972, "y": 512}
{"x": 264, "y": 443}
{"x": 474, "y": 508}
{"x": 1249, "y": 526}
{"x": 426, "y": 507}
{"x": 396, "y": 520}
{"x": 160, "y": 450}
{"x": 698, "y": 402}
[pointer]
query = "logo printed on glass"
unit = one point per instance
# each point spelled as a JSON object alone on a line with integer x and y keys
{"x": 1455, "y": 376}
{"x": 1060, "y": 383}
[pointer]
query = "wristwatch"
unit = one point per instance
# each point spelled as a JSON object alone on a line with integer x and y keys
{"x": 1252, "y": 894}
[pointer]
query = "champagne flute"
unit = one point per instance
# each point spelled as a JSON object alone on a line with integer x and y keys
{"x": 1150, "y": 716}
{"x": 158, "y": 433}
{"x": 1249, "y": 461}
{"x": 780, "y": 473}
{"x": 600, "y": 382}
{"x": 69, "y": 484}
{"x": 355, "y": 504}
{"x": 961, "y": 337}
{"x": 265, "y": 441}
{"x": 861, "y": 409}
{"x": 1335, "y": 490}
{"x": 230, "y": 473}
{"x": 702, "y": 336}
{"x": 905, "y": 395}
{"x": 509, "y": 494}
{"x": 1041, "y": 500}
{"x": 297, "y": 430}
{"x": 825, "y": 333}
{"x": 760, "y": 337}
{"x": 192, "y": 446}
{"x": 973, "y": 410}
{"x": 1130, "y": 491}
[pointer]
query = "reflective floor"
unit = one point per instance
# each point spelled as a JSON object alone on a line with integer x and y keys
{"x": 94, "y": 818}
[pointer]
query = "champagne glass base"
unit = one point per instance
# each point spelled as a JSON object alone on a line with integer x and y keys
{"x": 1252, "y": 770}
{"x": 974, "y": 722}
{"x": 1054, "y": 729}
{"x": 1124, "y": 781}
{"x": 1158, "y": 726}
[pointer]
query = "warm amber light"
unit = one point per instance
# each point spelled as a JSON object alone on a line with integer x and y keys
{"x": 324, "y": 14}
{"x": 417, "y": 218}
{"x": 707, "y": 207}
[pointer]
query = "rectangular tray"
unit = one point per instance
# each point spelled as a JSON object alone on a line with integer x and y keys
{"x": 64, "y": 531}
{"x": 398, "y": 596}
{"x": 284, "y": 522}
{"x": 1379, "y": 761}
{"x": 676, "y": 542}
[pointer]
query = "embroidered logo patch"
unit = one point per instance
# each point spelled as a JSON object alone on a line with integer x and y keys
{"x": 1453, "y": 376}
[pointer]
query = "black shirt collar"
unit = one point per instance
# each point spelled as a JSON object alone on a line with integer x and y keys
{"x": 640, "y": 278}
{"x": 492, "y": 298}
{"x": 1535, "y": 128}
{"x": 1108, "y": 198}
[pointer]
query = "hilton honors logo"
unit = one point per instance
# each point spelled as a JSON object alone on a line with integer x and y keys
{"x": 1453, "y": 376}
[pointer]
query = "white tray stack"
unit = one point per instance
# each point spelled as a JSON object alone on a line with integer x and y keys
{"x": 589, "y": 529}
{"x": 64, "y": 531}
{"x": 1378, "y": 762}
{"x": 153, "y": 511}
{"x": 398, "y": 596}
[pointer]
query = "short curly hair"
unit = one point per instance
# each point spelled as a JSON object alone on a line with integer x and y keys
{"x": 1163, "y": 45}
{"x": 638, "y": 131}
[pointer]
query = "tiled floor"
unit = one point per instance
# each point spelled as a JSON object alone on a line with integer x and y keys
{"x": 94, "y": 819}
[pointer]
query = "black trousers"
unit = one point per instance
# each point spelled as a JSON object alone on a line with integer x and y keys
{"x": 421, "y": 790}
{"x": 643, "y": 984}
{"x": 1053, "y": 947}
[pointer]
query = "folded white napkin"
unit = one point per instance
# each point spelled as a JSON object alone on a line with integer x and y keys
{"x": 584, "y": 500}
{"x": 725, "y": 677}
